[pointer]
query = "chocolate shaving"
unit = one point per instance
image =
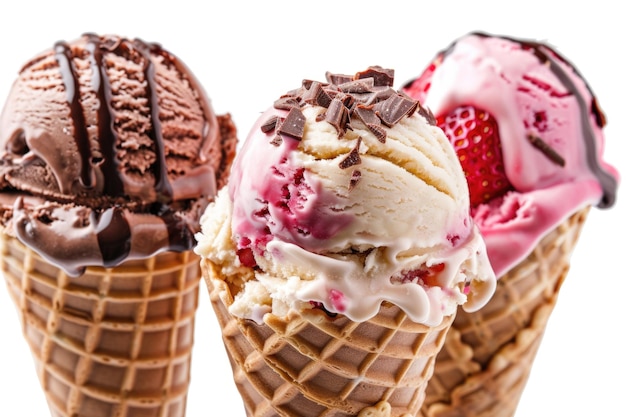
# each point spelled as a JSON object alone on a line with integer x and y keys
{"x": 338, "y": 79}
{"x": 338, "y": 116}
{"x": 270, "y": 124}
{"x": 286, "y": 102}
{"x": 392, "y": 110}
{"x": 276, "y": 140}
{"x": 378, "y": 131}
{"x": 367, "y": 115}
{"x": 358, "y": 86}
{"x": 427, "y": 114}
{"x": 379, "y": 94}
{"x": 354, "y": 180}
{"x": 353, "y": 158}
{"x": 546, "y": 149}
{"x": 380, "y": 75}
{"x": 293, "y": 125}
{"x": 368, "y": 95}
{"x": 316, "y": 95}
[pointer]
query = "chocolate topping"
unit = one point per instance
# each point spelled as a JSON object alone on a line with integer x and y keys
{"x": 293, "y": 125}
{"x": 395, "y": 108}
{"x": 270, "y": 124}
{"x": 354, "y": 180}
{"x": 338, "y": 115}
{"x": 546, "y": 149}
{"x": 380, "y": 75}
{"x": 367, "y": 95}
{"x": 353, "y": 157}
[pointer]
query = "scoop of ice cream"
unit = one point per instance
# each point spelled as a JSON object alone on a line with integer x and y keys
{"x": 528, "y": 131}
{"x": 345, "y": 195}
{"x": 109, "y": 150}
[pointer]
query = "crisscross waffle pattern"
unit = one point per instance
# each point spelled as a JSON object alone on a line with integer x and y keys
{"x": 487, "y": 357}
{"x": 312, "y": 365}
{"x": 112, "y": 342}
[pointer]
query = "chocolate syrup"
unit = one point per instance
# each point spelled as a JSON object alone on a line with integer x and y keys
{"x": 63, "y": 54}
{"x": 162, "y": 185}
{"x": 107, "y": 137}
{"x": 113, "y": 232}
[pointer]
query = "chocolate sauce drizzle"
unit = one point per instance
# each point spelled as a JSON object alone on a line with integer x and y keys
{"x": 63, "y": 55}
{"x": 113, "y": 236}
{"x": 162, "y": 184}
{"x": 114, "y": 233}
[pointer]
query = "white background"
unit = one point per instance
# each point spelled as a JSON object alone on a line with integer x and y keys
{"x": 248, "y": 54}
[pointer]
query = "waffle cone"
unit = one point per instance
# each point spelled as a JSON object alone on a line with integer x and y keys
{"x": 112, "y": 342}
{"x": 487, "y": 357}
{"x": 308, "y": 364}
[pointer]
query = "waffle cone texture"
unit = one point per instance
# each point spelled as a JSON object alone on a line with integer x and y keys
{"x": 112, "y": 342}
{"x": 486, "y": 360}
{"x": 310, "y": 364}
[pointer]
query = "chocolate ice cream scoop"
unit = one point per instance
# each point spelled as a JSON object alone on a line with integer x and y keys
{"x": 109, "y": 150}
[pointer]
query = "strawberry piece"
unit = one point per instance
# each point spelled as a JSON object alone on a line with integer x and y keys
{"x": 474, "y": 134}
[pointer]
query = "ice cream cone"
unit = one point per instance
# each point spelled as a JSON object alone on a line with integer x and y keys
{"x": 112, "y": 342}
{"x": 487, "y": 357}
{"x": 309, "y": 364}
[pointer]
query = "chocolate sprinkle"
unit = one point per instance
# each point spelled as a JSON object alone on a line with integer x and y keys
{"x": 546, "y": 149}
{"x": 353, "y": 158}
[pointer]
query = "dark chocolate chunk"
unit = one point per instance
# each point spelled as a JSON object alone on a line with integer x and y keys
{"x": 293, "y": 125}
{"x": 353, "y": 158}
{"x": 338, "y": 116}
{"x": 378, "y": 131}
{"x": 286, "y": 102}
{"x": 270, "y": 124}
{"x": 394, "y": 108}
{"x": 427, "y": 114}
{"x": 381, "y": 76}
{"x": 357, "y": 86}
{"x": 546, "y": 149}
{"x": 367, "y": 115}
{"x": 354, "y": 180}
{"x": 276, "y": 140}
{"x": 368, "y": 95}
{"x": 316, "y": 95}
{"x": 337, "y": 79}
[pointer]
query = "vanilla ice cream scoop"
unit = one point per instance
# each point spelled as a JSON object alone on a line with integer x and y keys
{"x": 345, "y": 195}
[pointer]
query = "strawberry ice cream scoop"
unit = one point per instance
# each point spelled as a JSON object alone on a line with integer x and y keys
{"x": 344, "y": 195}
{"x": 528, "y": 132}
